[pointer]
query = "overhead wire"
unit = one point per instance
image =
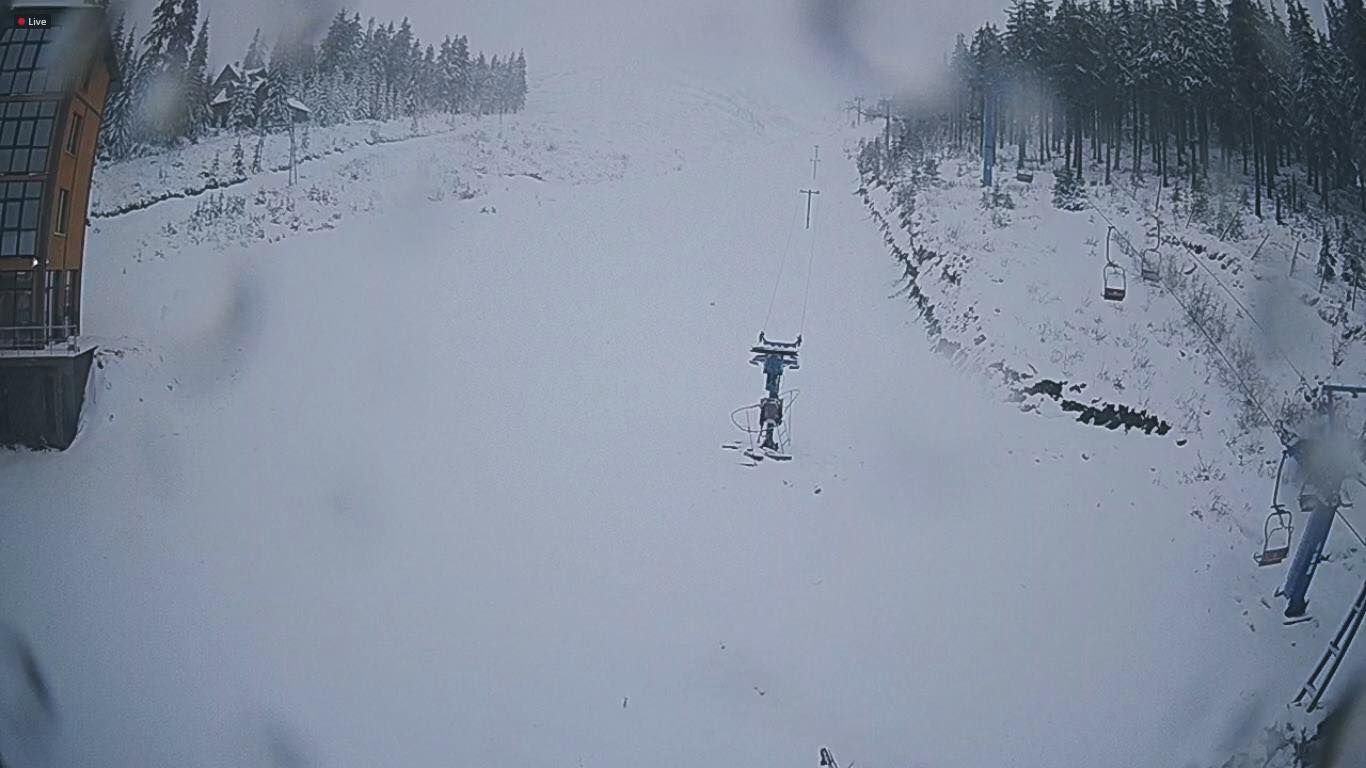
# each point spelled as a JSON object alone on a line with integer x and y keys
{"x": 1248, "y": 313}
{"x": 782, "y": 263}
{"x": 1281, "y": 432}
{"x": 810, "y": 262}
{"x": 1242, "y": 384}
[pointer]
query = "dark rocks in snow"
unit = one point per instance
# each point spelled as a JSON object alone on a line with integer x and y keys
{"x": 1107, "y": 415}
{"x": 1046, "y": 387}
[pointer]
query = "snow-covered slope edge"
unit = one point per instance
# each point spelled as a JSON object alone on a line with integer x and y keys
{"x": 1009, "y": 285}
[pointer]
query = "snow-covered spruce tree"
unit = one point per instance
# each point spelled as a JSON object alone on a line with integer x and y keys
{"x": 376, "y": 54}
{"x": 1327, "y": 268}
{"x": 260, "y": 150}
{"x": 461, "y": 88}
{"x": 337, "y": 52}
{"x": 1069, "y": 193}
{"x": 116, "y": 139}
{"x": 479, "y": 84}
{"x": 197, "y": 85}
{"x": 163, "y": 65}
{"x": 256, "y": 52}
{"x": 1353, "y": 268}
{"x": 242, "y": 108}
{"x": 239, "y": 170}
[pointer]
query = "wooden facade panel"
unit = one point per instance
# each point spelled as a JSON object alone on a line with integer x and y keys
{"x": 52, "y": 230}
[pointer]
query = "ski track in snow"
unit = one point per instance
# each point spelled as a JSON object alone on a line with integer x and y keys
{"x": 442, "y": 477}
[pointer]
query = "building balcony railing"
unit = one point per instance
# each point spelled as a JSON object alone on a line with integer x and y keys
{"x": 37, "y": 339}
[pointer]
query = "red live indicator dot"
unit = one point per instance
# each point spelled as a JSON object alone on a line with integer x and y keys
{"x": 23, "y": 21}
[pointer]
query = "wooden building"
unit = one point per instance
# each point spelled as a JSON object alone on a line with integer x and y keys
{"x": 56, "y": 65}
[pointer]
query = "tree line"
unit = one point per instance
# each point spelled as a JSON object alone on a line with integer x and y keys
{"x": 166, "y": 92}
{"x": 1173, "y": 86}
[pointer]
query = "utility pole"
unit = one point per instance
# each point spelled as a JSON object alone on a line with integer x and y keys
{"x": 809, "y": 193}
{"x": 815, "y": 158}
{"x": 858, "y": 110}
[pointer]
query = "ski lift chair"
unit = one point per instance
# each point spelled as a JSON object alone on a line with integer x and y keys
{"x": 1150, "y": 262}
{"x": 1278, "y": 529}
{"x": 1150, "y": 266}
{"x": 1116, "y": 283}
{"x": 1276, "y": 534}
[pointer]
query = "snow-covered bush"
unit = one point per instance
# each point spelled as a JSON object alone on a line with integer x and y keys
{"x": 999, "y": 202}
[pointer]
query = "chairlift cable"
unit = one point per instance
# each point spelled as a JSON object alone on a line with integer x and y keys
{"x": 1266, "y": 334}
{"x": 782, "y": 263}
{"x": 1338, "y": 511}
{"x": 810, "y": 260}
{"x": 1273, "y": 423}
{"x": 1247, "y": 312}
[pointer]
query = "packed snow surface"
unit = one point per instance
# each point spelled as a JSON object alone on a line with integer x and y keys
{"x": 418, "y": 462}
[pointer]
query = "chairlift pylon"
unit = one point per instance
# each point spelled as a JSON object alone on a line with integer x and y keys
{"x": 1279, "y": 528}
{"x": 1116, "y": 283}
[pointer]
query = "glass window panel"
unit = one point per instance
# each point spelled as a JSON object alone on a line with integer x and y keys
{"x": 23, "y": 308}
{"x": 27, "y": 56}
{"x": 37, "y": 161}
{"x": 33, "y": 188}
{"x": 24, "y": 278}
{"x": 11, "y": 214}
{"x": 9, "y": 243}
{"x": 20, "y": 162}
{"x": 11, "y": 56}
{"x": 21, "y": 81}
{"x": 30, "y": 109}
{"x": 14, "y": 108}
{"x": 29, "y": 219}
{"x": 24, "y": 137}
{"x": 5, "y": 156}
{"x": 47, "y": 108}
{"x": 6, "y": 82}
{"x": 6, "y": 281}
{"x": 42, "y": 132}
{"x": 7, "y": 133}
{"x": 28, "y": 240}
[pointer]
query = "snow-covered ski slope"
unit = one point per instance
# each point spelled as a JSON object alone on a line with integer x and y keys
{"x": 441, "y": 482}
